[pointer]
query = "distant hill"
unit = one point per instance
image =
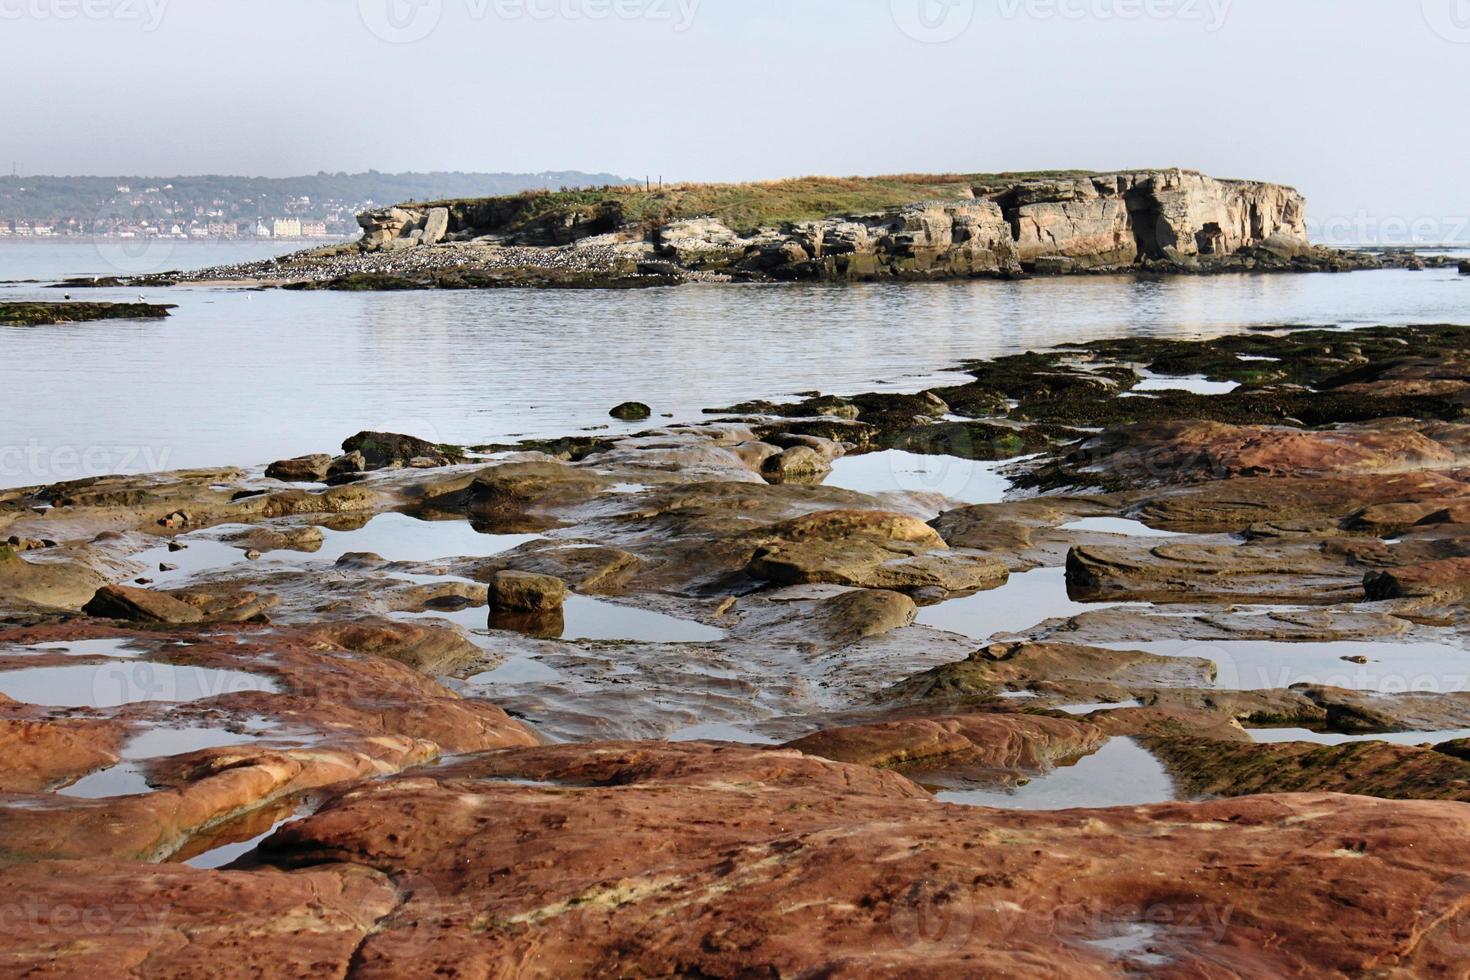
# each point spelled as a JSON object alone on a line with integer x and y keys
{"x": 82, "y": 204}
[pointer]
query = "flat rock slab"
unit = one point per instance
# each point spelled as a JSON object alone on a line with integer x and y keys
{"x": 644, "y": 859}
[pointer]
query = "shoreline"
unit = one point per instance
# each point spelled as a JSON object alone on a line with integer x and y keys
{"x": 766, "y": 620}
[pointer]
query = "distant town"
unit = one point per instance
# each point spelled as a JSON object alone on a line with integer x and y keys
{"x": 324, "y": 206}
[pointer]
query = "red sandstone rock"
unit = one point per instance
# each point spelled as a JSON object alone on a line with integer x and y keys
{"x": 1163, "y": 453}
{"x": 993, "y": 741}
{"x": 1447, "y": 578}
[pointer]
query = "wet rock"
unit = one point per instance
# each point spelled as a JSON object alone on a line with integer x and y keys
{"x": 222, "y": 604}
{"x": 42, "y": 754}
{"x": 381, "y": 449}
{"x": 1165, "y": 453}
{"x": 1237, "y": 505}
{"x": 306, "y": 539}
{"x": 520, "y": 496}
{"x": 1023, "y": 665}
{"x": 811, "y": 829}
{"x": 1380, "y": 769}
{"x": 1444, "y": 579}
{"x": 1209, "y": 573}
{"x": 94, "y": 918}
{"x": 872, "y": 550}
{"x": 125, "y": 603}
{"x": 342, "y": 716}
{"x": 592, "y": 569}
{"x": 853, "y": 616}
{"x": 966, "y": 743}
{"x": 524, "y": 592}
{"x": 631, "y": 412}
{"x": 63, "y": 585}
{"x": 301, "y": 469}
{"x": 799, "y": 463}
{"x": 432, "y": 649}
{"x": 347, "y": 465}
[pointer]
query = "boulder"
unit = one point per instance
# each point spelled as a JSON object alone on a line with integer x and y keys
{"x": 348, "y": 464}
{"x": 436, "y": 225}
{"x": 431, "y": 649}
{"x": 140, "y": 606}
{"x": 301, "y": 469}
{"x": 526, "y": 592}
{"x": 797, "y": 464}
{"x": 63, "y": 585}
{"x": 381, "y": 449}
{"x": 631, "y": 412}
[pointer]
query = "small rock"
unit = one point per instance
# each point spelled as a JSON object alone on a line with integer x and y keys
{"x": 140, "y": 606}
{"x": 1363, "y": 661}
{"x": 165, "y": 567}
{"x": 142, "y": 581}
{"x": 177, "y": 546}
{"x": 526, "y": 592}
{"x": 301, "y": 469}
{"x": 252, "y": 555}
{"x": 349, "y": 463}
{"x": 632, "y": 412}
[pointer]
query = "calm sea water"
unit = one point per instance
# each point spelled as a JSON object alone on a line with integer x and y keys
{"x": 244, "y": 377}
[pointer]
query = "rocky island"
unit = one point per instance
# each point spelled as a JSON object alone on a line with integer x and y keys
{"x": 905, "y": 228}
{"x": 248, "y": 729}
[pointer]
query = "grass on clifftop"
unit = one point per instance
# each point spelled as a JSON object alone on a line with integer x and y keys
{"x": 745, "y": 207}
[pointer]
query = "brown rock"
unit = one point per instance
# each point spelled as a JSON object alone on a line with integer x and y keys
{"x": 140, "y": 606}
{"x": 81, "y": 919}
{"x": 302, "y": 469}
{"x": 978, "y": 742}
{"x": 42, "y": 754}
{"x": 432, "y": 649}
{"x": 874, "y": 877}
{"x": 1447, "y": 578}
{"x": 524, "y": 592}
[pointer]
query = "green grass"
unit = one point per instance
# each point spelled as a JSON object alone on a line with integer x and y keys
{"x": 743, "y": 207}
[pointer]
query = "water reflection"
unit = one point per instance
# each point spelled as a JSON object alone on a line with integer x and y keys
{"x": 485, "y": 366}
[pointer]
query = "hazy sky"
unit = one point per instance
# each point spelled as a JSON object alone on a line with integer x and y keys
{"x": 1359, "y": 103}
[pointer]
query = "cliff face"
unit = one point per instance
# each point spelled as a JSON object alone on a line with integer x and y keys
{"x": 1169, "y": 219}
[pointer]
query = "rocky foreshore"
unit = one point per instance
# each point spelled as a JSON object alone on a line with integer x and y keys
{"x": 707, "y": 700}
{"x": 941, "y": 228}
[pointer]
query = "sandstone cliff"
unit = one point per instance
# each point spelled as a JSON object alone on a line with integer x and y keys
{"x": 1175, "y": 220}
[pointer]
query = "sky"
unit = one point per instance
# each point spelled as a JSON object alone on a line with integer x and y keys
{"x": 1358, "y": 103}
